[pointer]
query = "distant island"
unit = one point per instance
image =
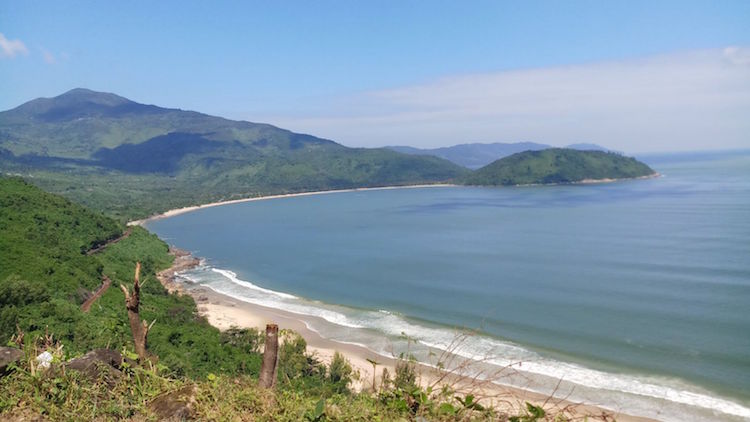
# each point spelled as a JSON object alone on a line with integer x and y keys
{"x": 557, "y": 166}
{"x": 477, "y": 155}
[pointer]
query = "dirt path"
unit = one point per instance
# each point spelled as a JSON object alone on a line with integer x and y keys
{"x": 98, "y": 249}
{"x": 106, "y": 282}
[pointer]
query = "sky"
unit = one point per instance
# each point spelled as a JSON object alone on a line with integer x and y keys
{"x": 636, "y": 76}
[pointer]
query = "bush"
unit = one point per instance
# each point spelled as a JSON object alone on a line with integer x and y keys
{"x": 247, "y": 339}
{"x": 340, "y": 374}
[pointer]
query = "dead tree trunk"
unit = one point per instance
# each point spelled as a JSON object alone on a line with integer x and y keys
{"x": 270, "y": 357}
{"x": 138, "y": 327}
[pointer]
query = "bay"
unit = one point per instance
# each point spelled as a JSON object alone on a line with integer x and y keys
{"x": 635, "y": 293}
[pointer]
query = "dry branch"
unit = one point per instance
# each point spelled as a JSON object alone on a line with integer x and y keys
{"x": 138, "y": 327}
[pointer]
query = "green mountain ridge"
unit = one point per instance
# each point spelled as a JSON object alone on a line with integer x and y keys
{"x": 132, "y": 160}
{"x": 558, "y": 166}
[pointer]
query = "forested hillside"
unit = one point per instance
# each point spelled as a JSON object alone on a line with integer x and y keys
{"x": 46, "y": 274}
{"x": 131, "y": 160}
{"x": 558, "y": 165}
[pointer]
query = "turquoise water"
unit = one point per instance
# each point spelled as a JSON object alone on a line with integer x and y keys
{"x": 636, "y": 294}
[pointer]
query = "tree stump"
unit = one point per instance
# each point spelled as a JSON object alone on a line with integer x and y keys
{"x": 270, "y": 357}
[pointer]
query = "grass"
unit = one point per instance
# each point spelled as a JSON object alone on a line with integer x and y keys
{"x": 57, "y": 393}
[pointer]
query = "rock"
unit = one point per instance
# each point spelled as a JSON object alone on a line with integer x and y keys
{"x": 9, "y": 355}
{"x": 44, "y": 360}
{"x": 175, "y": 406}
{"x": 99, "y": 364}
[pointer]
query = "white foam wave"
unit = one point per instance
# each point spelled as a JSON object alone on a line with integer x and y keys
{"x": 227, "y": 285}
{"x": 480, "y": 348}
{"x": 233, "y": 278}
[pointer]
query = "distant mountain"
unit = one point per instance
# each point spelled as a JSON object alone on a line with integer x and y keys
{"x": 590, "y": 147}
{"x": 81, "y": 122}
{"x": 474, "y": 155}
{"x": 558, "y": 165}
{"x": 131, "y": 159}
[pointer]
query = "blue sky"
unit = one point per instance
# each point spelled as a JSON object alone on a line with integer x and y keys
{"x": 406, "y": 72}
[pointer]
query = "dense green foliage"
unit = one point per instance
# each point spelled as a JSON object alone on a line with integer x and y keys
{"x": 557, "y": 165}
{"x": 132, "y": 160}
{"x": 45, "y": 275}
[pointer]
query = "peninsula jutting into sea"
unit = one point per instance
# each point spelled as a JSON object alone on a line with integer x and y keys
{"x": 532, "y": 212}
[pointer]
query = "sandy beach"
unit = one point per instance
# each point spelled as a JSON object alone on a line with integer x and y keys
{"x": 178, "y": 211}
{"x": 224, "y": 312}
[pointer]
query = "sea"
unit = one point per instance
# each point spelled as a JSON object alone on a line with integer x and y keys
{"x": 632, "y": 295}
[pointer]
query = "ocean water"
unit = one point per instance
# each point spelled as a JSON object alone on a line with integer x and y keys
{"x": 633, "y": 295}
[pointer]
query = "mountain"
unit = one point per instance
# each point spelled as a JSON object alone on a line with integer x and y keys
{"x": 558, "y": 165}
{"x": 474, "y": 155}
{"x": 81, "y": 122}
{"x": 131, "y": 159}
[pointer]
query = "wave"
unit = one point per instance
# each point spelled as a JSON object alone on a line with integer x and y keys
{"x": 363, "y": 325}
{"x": 233, "y": 278}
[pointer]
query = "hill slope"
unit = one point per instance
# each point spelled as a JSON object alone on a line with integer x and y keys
{"x": 558, "y": 165}
{"x": 45, "y": 276}
{"x": 131, "y": 160}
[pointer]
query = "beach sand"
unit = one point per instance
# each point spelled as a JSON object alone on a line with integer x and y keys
{"x": 178, "y": 211}
{"x": 224, "y": 312}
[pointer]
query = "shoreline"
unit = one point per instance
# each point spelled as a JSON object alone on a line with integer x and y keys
{"x": 183, "y": 210}
{"x": 223, "y": 312}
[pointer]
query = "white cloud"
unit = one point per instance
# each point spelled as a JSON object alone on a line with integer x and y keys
{"x": 689, "y": 100}
{"x": 48, "y": 57}
{"x": 11, "y": 48}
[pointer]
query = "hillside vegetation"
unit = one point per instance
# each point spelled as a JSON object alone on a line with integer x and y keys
{"x": 557, "y": 165}
{"x": 45, "y": 276}
{"x": 132, "y": 160}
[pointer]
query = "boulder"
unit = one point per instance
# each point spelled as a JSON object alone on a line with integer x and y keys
{"x": 177, "y": 405}
{"x": 99, "y": 364}
{"x": 9, "y": 355}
